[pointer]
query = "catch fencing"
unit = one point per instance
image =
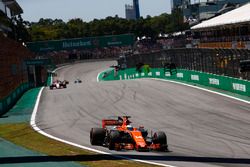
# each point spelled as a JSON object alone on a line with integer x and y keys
{"x": 225, "y": 62}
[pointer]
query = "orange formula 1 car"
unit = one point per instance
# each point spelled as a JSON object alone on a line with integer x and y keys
{"x": 123, "y": 136}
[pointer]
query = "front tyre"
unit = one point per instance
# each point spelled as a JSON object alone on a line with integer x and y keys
{"x": 114, "y": 137}
{"x": 97, "y": 136}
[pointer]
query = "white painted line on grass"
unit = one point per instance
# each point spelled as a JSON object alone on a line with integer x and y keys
{"x": 37, "y": 129}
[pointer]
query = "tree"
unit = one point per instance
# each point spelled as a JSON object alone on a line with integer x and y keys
{"x": 76, "y": 28}
{"x": 20, "y": 29}
{"x": 48, "y": 29}
{"x": 177, "y": 20}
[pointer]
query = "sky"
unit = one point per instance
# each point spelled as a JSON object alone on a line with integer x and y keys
{"x": 87, "y": 10}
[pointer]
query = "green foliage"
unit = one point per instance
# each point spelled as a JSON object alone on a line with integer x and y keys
{"x": 4, "y": 20}
{"x": 177, "y": 20}
{"x": 48, "y": 29}
{"x": 17, "y": 26}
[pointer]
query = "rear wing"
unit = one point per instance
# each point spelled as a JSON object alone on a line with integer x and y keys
{"x": 121, "y": 120}
{"x": 110, "y": 122}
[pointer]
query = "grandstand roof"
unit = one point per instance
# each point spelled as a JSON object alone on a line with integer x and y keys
{"x": 14, "y": 6}
{"x": 238, "y": 15}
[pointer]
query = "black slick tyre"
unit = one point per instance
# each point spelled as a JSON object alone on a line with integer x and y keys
{"x": 97, "y": 136}
{"x": 114, "y": 137}
{"x": 160, "y": 138}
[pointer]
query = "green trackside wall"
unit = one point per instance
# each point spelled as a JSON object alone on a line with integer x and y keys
{"x": 241, "y": 87}
{"x": 49, "y": 79}
{"x": 11, "y": 99}
{"x": 7, "y": 103}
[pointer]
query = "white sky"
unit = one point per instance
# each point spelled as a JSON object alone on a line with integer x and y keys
{"x": 87, "y": 9}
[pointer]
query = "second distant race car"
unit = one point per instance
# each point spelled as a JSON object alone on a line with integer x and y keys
{"x": 78, "y": 81}
{"x": 118, "y": 134}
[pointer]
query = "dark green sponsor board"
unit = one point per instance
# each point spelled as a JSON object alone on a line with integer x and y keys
{"x": 38, "y": 62}
{"x": 82, "y": 43}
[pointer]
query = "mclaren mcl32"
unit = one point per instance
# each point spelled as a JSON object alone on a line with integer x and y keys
{"x": 118, "y": 134}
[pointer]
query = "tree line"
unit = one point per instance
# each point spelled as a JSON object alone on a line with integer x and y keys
{"x": 49, "y": 29}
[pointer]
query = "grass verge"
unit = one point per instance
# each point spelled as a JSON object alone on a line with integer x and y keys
{"x": 23, "y": 135}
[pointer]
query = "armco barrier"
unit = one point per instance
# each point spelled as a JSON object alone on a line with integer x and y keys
{"x": 233, "y": 85}
{"x": 11, "y": 99}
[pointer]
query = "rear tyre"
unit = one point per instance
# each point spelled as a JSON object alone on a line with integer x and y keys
{"x": 160, "y": 138}
{"x": 97, "y": 136}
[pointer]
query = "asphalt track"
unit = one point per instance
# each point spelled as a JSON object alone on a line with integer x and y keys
{"x": 203, "y": 129}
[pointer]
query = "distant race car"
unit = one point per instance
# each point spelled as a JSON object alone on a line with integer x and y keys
{"x": 66, "y": 82}
{"x": 78, "y": 81}
{"x": 122, "y": 135}
{"x": 59, "y": 84}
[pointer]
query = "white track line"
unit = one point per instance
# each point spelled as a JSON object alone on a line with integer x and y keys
{"x": 196, "y": 87}
{"x": 204, "y": 89}
{"x": 37, "y": 129}
{"x": 97, "y": 78}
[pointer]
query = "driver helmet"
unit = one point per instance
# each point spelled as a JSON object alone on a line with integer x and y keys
{"x": 129, "y": 127}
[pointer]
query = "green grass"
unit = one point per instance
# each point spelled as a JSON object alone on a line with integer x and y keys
{"x": 23, "y": 135}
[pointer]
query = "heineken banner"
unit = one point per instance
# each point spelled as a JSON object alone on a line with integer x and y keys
{"x": 82, "y": 43}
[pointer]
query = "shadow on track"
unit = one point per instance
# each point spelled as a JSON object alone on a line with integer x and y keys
{"x": 98, "y": 157}
{"x": 4, "y": 116}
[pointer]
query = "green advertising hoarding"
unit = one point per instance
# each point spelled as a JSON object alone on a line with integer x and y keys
{"x": 38, "y": 62}
{"x": 233, "y": 85}
{"x": 82, "y": 43}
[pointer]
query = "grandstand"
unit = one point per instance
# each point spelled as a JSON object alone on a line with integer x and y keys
{"x": 8, "y": 9}
{"x": 229, "y": 30}
{"x": 195, "y": 11}
{"x": 219, "y": 46}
